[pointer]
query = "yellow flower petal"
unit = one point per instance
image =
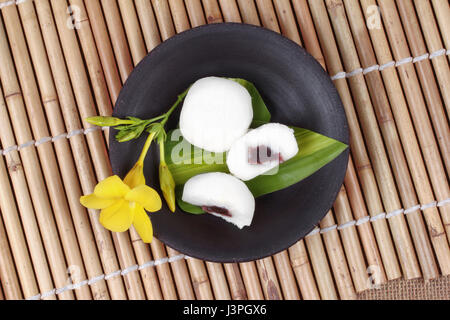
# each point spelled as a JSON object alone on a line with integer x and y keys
{"x": 118, "y": 217}
{"x": 142, "y": 224}
{"x": 91, "y": 201}
{"x": 135, "y": 177}
{"x": 145, "y": 196}
{"x": 111, "y": 188}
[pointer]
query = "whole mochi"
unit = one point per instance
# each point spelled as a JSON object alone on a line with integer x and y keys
{"x": 216, "y": 112}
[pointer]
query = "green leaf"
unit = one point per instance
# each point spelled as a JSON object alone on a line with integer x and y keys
{"x": 186, "y": 207}
{"x": 260, "y": 111}
{"x": 186, "y": 161}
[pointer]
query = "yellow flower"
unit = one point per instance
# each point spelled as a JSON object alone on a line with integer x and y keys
{"x": 135, "y": 177}
{"x": 123, "y": 203}
{"x": 122, "y": 206}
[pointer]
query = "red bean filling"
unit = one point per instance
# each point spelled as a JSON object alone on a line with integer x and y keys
{"x": 262, "y": 154}
{"x": 218, "y": 210}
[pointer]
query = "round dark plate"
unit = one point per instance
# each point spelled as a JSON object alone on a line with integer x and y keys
{"x": 297, "y": 92}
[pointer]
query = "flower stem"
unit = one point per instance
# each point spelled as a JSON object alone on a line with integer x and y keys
{"x": 174, "y": 106}
{"x": 156, "y": 118}
{"x": 162, "y": 157}
{"x": 147, "y": 144}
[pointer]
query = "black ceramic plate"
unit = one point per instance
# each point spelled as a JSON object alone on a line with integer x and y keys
{"x": 297, "y": 92}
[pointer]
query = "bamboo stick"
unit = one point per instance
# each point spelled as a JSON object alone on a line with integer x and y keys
{"x": 235, "y": 283}
{"x": 286, "y": 276}
{"x": 417, "y": 108}
{"x": 337, "y": 259}
{"x": 248, "y": 12}
{"x": 390, "y": 134}
{"x": 308, "y": 34}
{"x": 182, "y": 277}
{"x": 434, "y": 44}
{"x": 200, "y": 280}
{"x": 267, "y": 15}
{"x": 230, "y": 11}
{"x": 407, "y": 257}
{"x": 104, "y": 46}
{"x": 163, "y": 270}
{"x": 212, "y": 11}
{"x": 195, "y": 12}
{"x": 357, "y": 143}
{"x": 133, "y": 29}
{"x": 12, "y": 223}
{"x": 64, "y": 154}
{"x": 350, "y": 240}
{"x": 411, "y": 148}
{"x": 320, "y": 266}
{"x": 287, "y": 20}
{"x": 117, "y": 36}
{"x": 148, "y": 23}
{"x": 269, "y": 281}
{"x": 148, "y": 275}
{"x": 121, "y": 240}
{"x": 218, "y": 281}
{"x": 90, "y": 52}
{"x": 365, "y": 231}
{"x": 86, "y": 105}
{"x": 301, "y": 267}
{"x": 425, "y": 71}
{"x": 162, "y": 12}
{"x": 35, "y": 179}
{"x": 164, "y": 19}
{"x": 8, "y": 276}
{"x": 251, "y": 280}
{"x": 442, "y": 12}
{"x": 179, "y": 15}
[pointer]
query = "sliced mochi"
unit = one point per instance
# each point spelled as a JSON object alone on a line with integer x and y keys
{"x": 261, "y": 150}
{"x": 221, "y": 195}
{"x": 216, "y": 112}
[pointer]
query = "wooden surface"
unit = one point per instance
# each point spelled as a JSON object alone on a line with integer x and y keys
{"x": 389, "y": 229}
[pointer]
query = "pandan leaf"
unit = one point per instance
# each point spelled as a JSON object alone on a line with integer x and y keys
{"x": 315, "y": 151}
{"x": 260, "y": 111}
{"x": 186, "y": 207}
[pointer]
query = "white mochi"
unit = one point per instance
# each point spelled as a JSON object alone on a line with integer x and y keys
{"x": 241, "y": 157}
{"x": 216, "y": 112}
{"x": 221, "y": 190}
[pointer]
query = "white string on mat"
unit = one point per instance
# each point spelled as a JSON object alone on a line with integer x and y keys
{"x": 438, "y": 53}
{"x": 379, "y": 216}
{"x": 11, "y": 2}
{"x": 48, "y": 139}
{"x": 109, "y": 276}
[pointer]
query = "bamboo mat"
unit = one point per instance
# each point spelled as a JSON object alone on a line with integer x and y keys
{"x": 62, "y": 61}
